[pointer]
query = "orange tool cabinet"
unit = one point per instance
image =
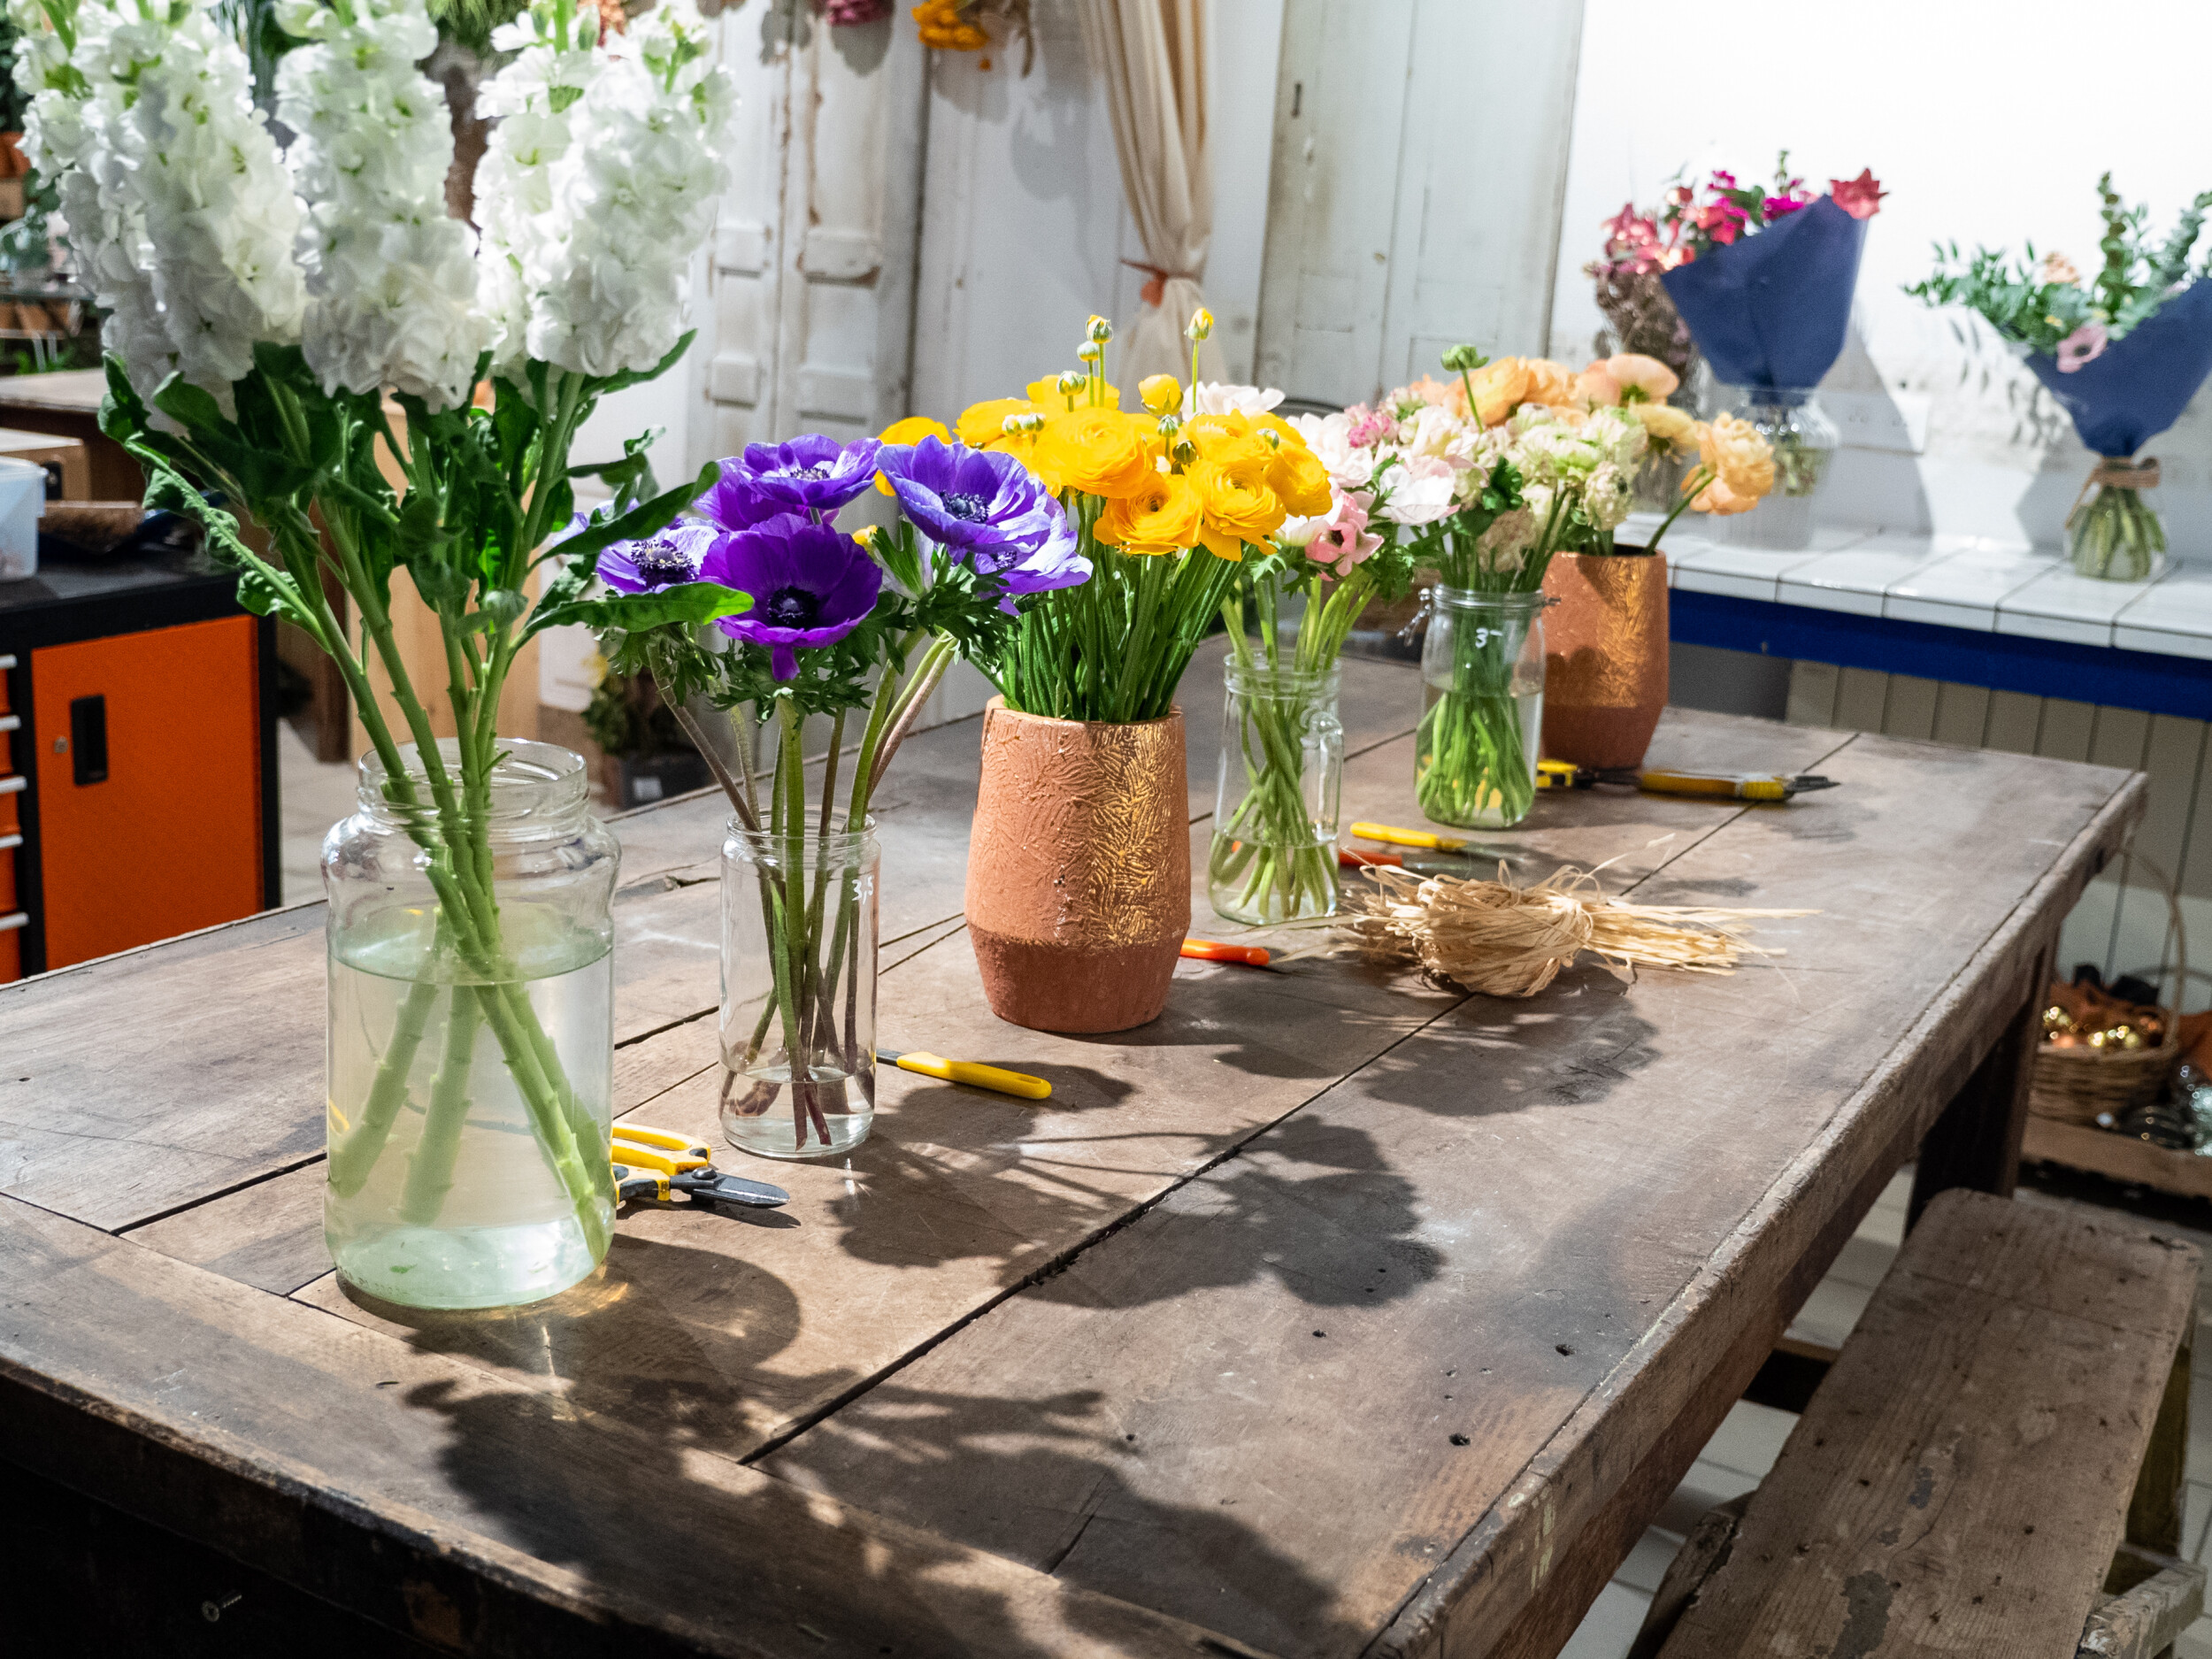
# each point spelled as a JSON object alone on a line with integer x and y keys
{"x": 138, "y": 791}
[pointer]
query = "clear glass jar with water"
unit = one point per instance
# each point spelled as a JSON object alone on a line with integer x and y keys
{"x": 799, "y": 989}
{"x": 1482, "y": 719}
{"x": 1273, "y": 855}
{"x": 471, "y": 1038}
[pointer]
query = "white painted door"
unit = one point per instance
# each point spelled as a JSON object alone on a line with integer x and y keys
{"x": 808, "y": 322}
{"x": 1420, "y": 156}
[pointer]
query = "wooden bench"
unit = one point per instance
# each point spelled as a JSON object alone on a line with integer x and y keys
{"x": 2012, "y": 1406}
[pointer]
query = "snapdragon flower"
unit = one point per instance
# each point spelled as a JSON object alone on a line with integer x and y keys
{"x": 391, "y": 278}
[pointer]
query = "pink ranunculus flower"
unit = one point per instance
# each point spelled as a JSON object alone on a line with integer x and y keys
{"x": 1367, "y": 427}
{"x": 2085, "y": 344}
{"x": 1344, "y": 540}
{"x": 1860, "y": 198}
{"x": 1633, "y": 372}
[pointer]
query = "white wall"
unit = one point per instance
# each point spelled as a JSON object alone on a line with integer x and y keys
{"x": 1987, "y": 124}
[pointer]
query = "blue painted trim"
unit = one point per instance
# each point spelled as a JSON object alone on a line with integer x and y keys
{"x": 2100, "y": 674}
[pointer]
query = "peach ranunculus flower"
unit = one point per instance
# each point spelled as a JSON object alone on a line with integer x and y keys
{"x": 1428, "y": 391}
{"x": 1642, "y": 380}
{"x": 1501, "y": 388}
{"x": 1549, "y": 383}
{"x": 1596, "y": 388}
{"x": 1737, "y": 464}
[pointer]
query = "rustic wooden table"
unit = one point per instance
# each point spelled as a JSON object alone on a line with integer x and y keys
{"x": 1335, "y": 1313}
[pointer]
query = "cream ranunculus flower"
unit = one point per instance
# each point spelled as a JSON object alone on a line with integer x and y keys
{"x": 1664, "y": 425}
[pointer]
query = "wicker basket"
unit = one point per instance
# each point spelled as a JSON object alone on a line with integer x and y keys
{"x": 2077, "y": 1085}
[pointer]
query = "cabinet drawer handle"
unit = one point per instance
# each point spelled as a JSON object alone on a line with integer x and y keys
{"x": 11, "y": 722}
{"x": 10, "y": 842}
{"x": 14, "y": 919}
{"x": 9, "y": 785}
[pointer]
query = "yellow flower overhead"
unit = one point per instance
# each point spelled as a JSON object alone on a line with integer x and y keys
{"x": 982, "y": 425}
{"x": 1161, "y": 517}
{"x": 913, "y": 429}
{"x": 1501, "y": 388}
{"x": 1099, "y": 452}
{"x": 1226, "y": 439}
{"x": 1163, "y": 394}
{"x": 1239, "y": 506}
{"x": 1047, "y": 394}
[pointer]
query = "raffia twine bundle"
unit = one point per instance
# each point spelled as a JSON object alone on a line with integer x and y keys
{"x": 1503, "y": 940}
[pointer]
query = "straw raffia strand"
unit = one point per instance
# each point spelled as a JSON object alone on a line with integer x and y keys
{"x": 1503, "y": 939}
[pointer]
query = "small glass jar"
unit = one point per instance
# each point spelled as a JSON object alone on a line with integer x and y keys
{"x": 1804, "y": 441}
{"x": 1275, "y": 804}
{"x": 2115, "y": 535}
{"x": 799, "y": 990}
{"x": 471, "y": 1038}
{"x": 1482, "y": 675}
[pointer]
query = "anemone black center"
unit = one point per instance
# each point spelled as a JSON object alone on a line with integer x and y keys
{"x": 661, "y": 562}
{"x": 966, "y": 506}
{"x": 792, "y": 608}
{"x": 811, "y": 472}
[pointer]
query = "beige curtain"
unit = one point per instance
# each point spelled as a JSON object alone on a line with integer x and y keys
{"x": 1151, "y": 54}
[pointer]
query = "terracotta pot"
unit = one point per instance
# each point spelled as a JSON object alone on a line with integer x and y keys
{"x": 1605, "y": 657}
{"x": 1079, "y": 868}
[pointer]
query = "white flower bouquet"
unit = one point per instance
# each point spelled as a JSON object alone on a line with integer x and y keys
{"x": 263, "y": 305}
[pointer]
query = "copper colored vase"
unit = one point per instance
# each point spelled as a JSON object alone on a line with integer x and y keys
{"x": 1079, "y": 868}
{"x": 1605, "y": 657}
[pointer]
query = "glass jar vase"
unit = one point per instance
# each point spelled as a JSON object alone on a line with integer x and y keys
{"x": 1804, "y": 441}
{"x": 2115, "y": 534}
{"x": 799, "y": 990}
{"x": 1482, "y": 675}
{"x": 1275, "y": 804}
{"x": 471, "y": 1040}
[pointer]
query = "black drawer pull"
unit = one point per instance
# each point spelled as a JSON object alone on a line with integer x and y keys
{"x": 88, "y": 739}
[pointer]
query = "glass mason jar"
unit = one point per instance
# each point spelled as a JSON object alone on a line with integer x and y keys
{"x": 1275, "y": 805}
{"x": 1482, "y": 674}
{"x": 2115, "y": 535}
{"x": 471, "y": 1041}
{"x": 1804, "y": 439}
{"x": 799, "y": 990}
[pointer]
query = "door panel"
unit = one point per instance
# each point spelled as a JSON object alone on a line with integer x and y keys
{"x": 170, "y": 839}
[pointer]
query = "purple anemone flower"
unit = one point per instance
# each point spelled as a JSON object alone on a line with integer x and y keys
{"x": 811, "y": 586}
{"x": 732, "y": 502}
{"x": 987, "y": 509}
{"x": 666, "y": 559}
{"x": 811, "y": 473}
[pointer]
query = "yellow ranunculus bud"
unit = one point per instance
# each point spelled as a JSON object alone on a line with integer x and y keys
{"x": 1238, "y": 505}
{"x": 1297, "y": 476}
{"x": 913, "y": 429}
{"x": 1090, "y": 351}
{"x": 1059, "y": 393}
{"x": 1163, "y": 394}
{"x": 1098, "y": 329}
{"x": 1202, "y": 324}
{"x": 1161, "y": 517}
{"x": 982, "y": 425}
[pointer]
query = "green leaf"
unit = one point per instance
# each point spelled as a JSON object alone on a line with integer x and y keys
{"x": 122, "y": 411}
{"x": 193, "y": 407}
{"x": 262, "y": 589}
{"x": 638, "y": 377}
{"x": 687, "y": 605}
{"x": 500, "y": 608}
{"x": 646, "y": 518}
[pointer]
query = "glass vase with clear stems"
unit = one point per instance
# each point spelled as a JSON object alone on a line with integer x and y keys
{"x": 2115, "y": 535}
{"x": 1804, "y": 441}
{"x": 471, "y": 1033}
{"x": 1274, "y": 857}
{"x": 1482, "y": 676}
{"x": 798, "y": 1018}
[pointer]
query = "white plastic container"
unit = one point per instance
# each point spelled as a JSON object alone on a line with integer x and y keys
{"x": 22, "y": 504}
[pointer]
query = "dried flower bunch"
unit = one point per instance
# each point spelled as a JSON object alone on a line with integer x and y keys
{"x": 1500, "y": 938}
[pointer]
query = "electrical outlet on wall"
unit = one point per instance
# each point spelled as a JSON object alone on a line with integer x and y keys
{"x": 1892, "y": 421}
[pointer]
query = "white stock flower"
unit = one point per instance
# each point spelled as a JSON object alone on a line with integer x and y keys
{"x": 1212, "y": 398}
{"x": 173, "y": 193}
{"x": 391, "y": 278}
{"x": 601, "y": 180}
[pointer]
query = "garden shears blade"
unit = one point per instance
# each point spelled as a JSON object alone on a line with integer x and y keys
{"x": 653, "y": 1166}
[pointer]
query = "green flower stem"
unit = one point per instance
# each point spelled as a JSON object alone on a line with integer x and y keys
{"x": 430, "y": 1167}
{"x": 352, "y": 1159}
{"x": 1472, "y": 768}
{"x": 2116, "y": 536}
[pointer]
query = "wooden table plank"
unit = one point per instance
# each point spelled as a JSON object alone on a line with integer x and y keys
{"x": 483, "y": 1519}
{"x": 1515, "y": 1209}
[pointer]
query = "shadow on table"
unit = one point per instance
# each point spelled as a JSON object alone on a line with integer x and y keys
{"x": 1058, "y": 1484}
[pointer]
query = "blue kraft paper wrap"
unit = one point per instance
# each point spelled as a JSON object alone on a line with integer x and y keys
{"x": 1772, "y": 309}
{"x": 2138, "y": 387}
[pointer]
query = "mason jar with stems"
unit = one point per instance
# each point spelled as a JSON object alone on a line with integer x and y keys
{"x": 1274, "y": 857}
{"x": 1804, "y": 441}
{"x": 1482, "y": 674}
{"x": 798, "y": 1018}
{"x": 470, "y": 1039}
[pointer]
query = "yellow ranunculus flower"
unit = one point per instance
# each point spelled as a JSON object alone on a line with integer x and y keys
{"x": 1163, "y": 394}
{"x": 1300, "y": 481}
{"x": 1047, "y": 394}
{"x": 1226, "y": 439}
{"x": 913, "y": 429}
{"x": 982, "y": 425}
{"x": 1099, "y": 452}
{"x": 1162, "y": 517}
{"x": 1239, "y": 506}
{"x": 1662, "y": 423}
{"x": 1501, "y": 388}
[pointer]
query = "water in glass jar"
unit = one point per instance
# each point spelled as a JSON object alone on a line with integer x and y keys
{"x": 439, "y": 1192}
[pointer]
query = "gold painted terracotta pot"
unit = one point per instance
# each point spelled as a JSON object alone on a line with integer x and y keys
{"x": 1605, "y": 657}
{"x": 1079, "y": 868}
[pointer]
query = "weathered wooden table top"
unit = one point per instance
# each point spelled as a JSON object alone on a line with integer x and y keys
{"x": 1333, "y": 1313}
